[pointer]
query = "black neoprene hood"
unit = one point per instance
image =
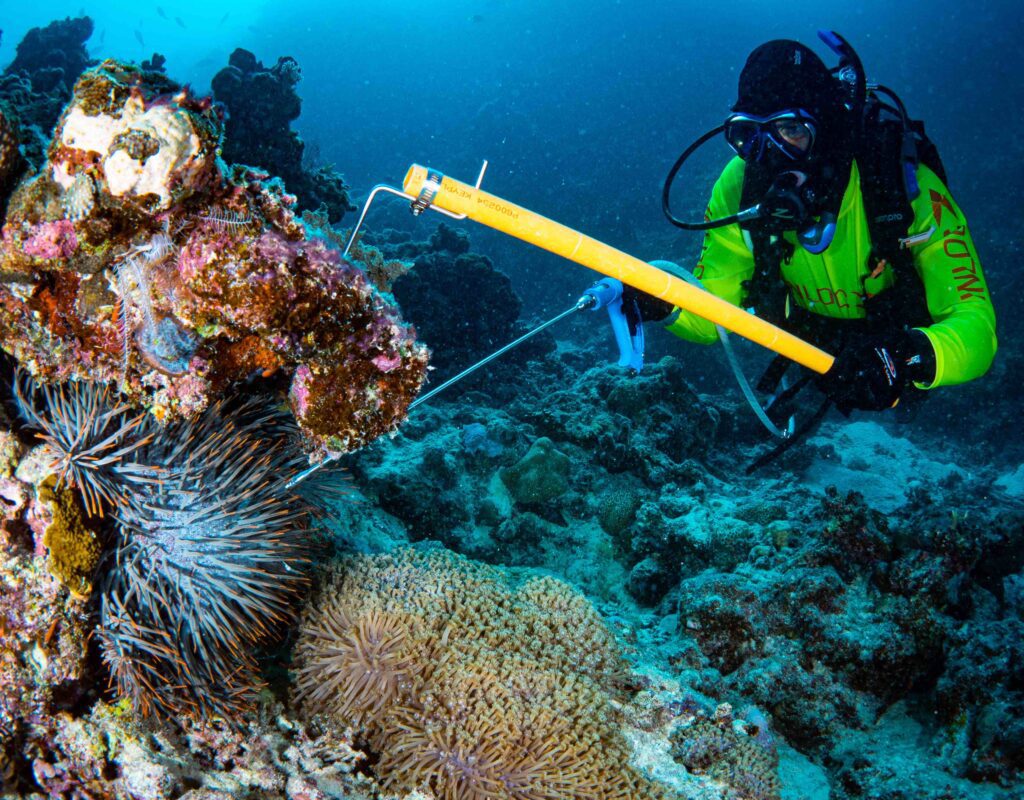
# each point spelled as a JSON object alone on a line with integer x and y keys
{"x": 783, "y": 74}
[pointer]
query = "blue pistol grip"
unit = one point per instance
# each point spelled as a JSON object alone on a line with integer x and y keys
{"x": 620, "y": 327}
{"x": 607, "y": 293}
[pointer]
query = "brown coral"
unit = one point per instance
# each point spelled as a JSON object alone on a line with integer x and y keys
{"x": 483, "y": 692}
{"x": 713, "y": 748}
{"x": 74, "y": 546}
{"x": 358, "y": 665}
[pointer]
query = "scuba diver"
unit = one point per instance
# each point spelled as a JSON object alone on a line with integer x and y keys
{"x": 834, "y": 222}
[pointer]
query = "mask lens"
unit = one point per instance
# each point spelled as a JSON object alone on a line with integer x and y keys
{"x": 798, "y": 134}
{"x": 791, "y": 132}
{"x": 744, "y": 136}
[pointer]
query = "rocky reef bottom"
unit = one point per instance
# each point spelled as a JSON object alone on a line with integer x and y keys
{"x": 558, "y": 585}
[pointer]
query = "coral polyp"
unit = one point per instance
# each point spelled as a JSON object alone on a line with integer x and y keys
{"x": 465, "y": 686}
{"x": 89, "y": 433}
{"x": 212, "y": 553}
{"x": 363, "y": 663}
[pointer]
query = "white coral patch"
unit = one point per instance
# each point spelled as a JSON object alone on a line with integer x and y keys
{"x": 95, "y": 133}
{"x": 61, "y": 176}
{"x": 168, "y": 125}
{"x": 178, "y": 147}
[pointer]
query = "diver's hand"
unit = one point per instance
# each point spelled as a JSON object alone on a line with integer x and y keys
{"x": 640, "y": 307}
{"x": 872, "y": 373}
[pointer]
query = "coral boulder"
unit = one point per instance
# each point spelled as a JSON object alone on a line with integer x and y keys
{"x": 136, "y": 258}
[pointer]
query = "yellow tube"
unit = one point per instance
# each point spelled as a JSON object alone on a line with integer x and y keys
{"x": 460, "y": 198}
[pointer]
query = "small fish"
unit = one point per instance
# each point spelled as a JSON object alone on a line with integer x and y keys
{"x": 224, "y": 18}
{"x": 103, "y": 35}
{"x": 179, "y": 21}
{"x": 253, "y": 29}
{"x": 477, "y": 18}
{"x": 162, "y": 13}
{"x": 139, "y": 39}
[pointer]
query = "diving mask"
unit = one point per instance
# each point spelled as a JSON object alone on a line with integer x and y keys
{"x": 791, "y": 131}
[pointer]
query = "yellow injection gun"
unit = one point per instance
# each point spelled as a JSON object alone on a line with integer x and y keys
{"x": 432, "y": 189}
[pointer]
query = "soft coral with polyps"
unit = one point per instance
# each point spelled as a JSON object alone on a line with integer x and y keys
{"x": 137, "y": 257}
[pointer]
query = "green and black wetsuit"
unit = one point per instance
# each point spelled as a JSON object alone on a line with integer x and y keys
{"x": 837, "y": 283}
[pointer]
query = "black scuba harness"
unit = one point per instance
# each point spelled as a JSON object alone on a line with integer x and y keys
{"x": 888, "y": 146}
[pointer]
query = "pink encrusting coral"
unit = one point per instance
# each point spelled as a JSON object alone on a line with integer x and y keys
{"x": 182, "y": 278}
{"x": 51, "y": 240}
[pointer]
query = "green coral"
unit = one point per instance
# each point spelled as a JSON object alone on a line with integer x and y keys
{"x": 540, "y": 475}
{"x": 617, "y": 510}
{"x": 74, "y": 546}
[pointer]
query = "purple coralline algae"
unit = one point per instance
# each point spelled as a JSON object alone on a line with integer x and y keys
{"x": 136, "y": 257}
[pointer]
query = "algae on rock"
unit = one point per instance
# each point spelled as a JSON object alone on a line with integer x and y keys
{"x": 74, "y": 546}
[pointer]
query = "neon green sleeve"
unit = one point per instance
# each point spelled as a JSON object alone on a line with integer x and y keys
{"x": 964, "y": 329}
{"x": 725, "y": 260}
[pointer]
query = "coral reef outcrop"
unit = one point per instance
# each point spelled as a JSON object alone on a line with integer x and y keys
{"x": 38, "y": 82}
{"x": 134, "y": 258}
{"x": 262, "y": 103}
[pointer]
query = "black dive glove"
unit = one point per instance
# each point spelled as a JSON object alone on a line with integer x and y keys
{"x": 872, "y": 373}
{"x": 641, "y": 307}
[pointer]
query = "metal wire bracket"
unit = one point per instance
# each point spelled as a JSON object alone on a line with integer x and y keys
{"x": 418, "y": 204}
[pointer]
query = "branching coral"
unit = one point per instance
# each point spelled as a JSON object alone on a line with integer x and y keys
{"x": 481, "y": 692}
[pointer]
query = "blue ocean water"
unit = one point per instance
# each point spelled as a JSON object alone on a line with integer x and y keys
{"x": 580, "y": 108}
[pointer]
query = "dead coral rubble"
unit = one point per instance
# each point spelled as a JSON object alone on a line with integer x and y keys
{"x": 714, "y": 747}
{"x": 108, "y": 753}
{"x": 43, "y": 632}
